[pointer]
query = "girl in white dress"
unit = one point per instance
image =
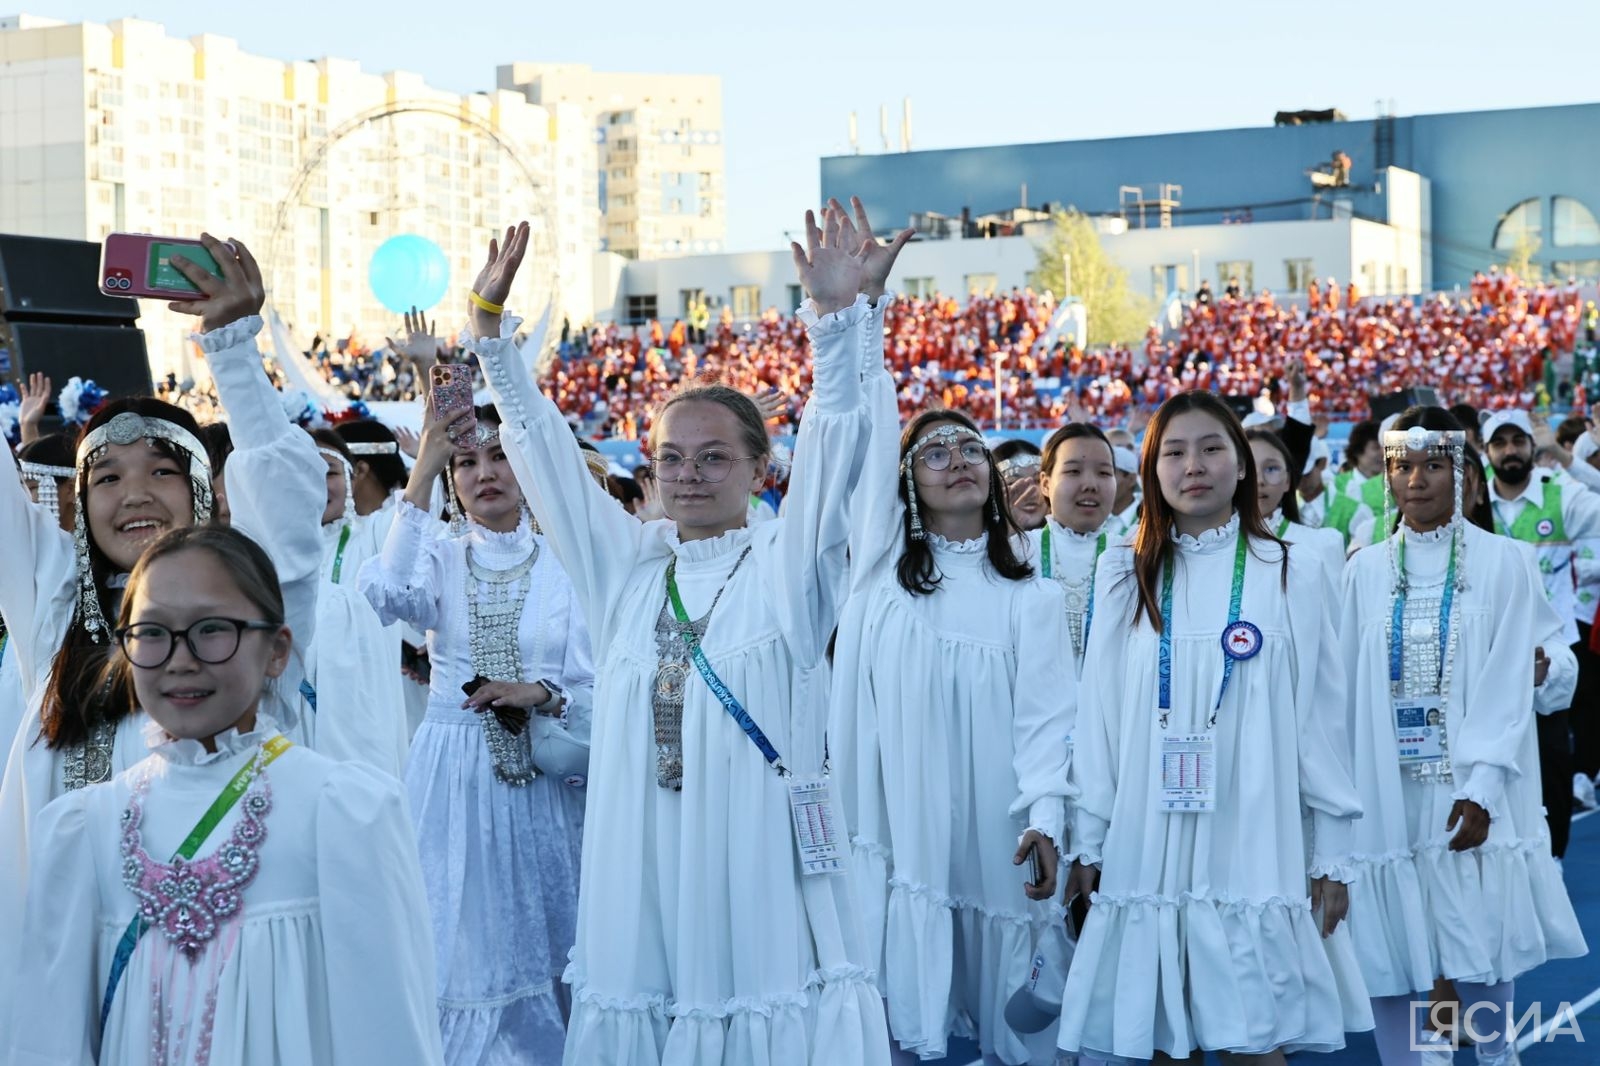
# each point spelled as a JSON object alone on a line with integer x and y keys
{"x": 141, "y": 472}
{"x": 702, "y": 939}
{"x": 1454, "y": 873}
{"x": 282, "y": 929}
{"x": 500, "y": 841}
{"x": 953, "y": 701}
{"x": 1202, "y": 734}
{"x": 1078, "y": 480}
{"x": 1280, "y": 507}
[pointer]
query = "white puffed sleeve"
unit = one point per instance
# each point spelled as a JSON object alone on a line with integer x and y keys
{"x": 377, "y": 944}
{"x": 403, "y": 581}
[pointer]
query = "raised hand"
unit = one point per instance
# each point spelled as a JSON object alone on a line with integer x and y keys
{"x": 831, "y": 271}
{"x": 238, "y": 294}
{"x": 419, "y": 340}
{"x": 879, "y": 258}
{"x": 772, "y": 404}
{"x": 36, "y": 392}
{"x": 408, "y": 441}
{"x": 494, "y": 280}
{"x": 1295, "y": 375}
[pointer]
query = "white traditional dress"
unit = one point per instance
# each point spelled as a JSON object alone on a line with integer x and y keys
{"x": 1201, "y": 935}
{"x": 500, "y": 861}
{"x": 1417, "y": 909}
{"x": 1072, "y": 560}
{"x": 1326, "y": 544}
{"x": 276, "y": 486}
{"x": 949, "y": 727}
{"x": 323, "y": 962}
{"x": 700, "y": 942}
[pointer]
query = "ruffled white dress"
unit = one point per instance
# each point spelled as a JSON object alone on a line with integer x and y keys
{"x": 1417, "y": 909}
{"x": 500, "y": 861}
{"x": 948, "y": 733}
{"x": 700, "y": 942}
{"x": 326, "y": 962}
{"x": 1325, "y": 544}
{"x": 1201, "y": 935}
{"x": 276, "y": 486}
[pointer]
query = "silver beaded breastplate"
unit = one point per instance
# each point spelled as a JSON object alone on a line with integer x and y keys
{"x": 89, "y": 763}
{"x": 666, "y": 701}
{"x": 1077, "y": 599}
{"x": 495, "y": 599}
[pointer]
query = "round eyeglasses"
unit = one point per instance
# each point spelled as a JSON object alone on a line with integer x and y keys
{"x": 149, "y": 645}
{"x": 711, "y": 465}
{"x": 938, "y": 456}
{"x": 1273, "y": 474}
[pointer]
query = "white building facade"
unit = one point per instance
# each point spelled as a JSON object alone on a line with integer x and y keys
{"x": 121, "y": 127}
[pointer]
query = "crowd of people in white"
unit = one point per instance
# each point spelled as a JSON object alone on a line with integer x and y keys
{"x": 1085, "y": 754}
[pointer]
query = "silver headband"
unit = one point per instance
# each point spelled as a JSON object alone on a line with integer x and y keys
{"x": 45, "y": 478}
{"x": 128, "y": 428}
{"x": 946, "y": 435}
{"x": 377, "y": 447}
{"x": 349, "y": 482}
{"x": 1418, "y": 439}
{"x": 1446, "y": 443}
{"x": 1019, "y": 464}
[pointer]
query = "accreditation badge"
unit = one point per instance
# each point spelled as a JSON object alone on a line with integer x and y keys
{"x": 1189, "y": 773}
{"x": 1419, "y": 729}
{"x": 815, "y": 831}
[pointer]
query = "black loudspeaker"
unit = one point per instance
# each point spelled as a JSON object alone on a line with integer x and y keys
{"x": 1240, "y": 405}
{"x": 1396, "y": 402}
{"x": 114, "y": 356}
{"x": 43, "y": 279}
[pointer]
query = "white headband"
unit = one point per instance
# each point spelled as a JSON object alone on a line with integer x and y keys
{"x": 1020, "y": 463}
{"x": 377, "y": 447}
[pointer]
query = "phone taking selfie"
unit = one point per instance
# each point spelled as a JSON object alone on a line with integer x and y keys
{"x": 451, "y": 397}
{"x": 140, "y": 264}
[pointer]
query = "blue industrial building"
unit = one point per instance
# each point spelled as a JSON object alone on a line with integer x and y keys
{"x": 1498, "y": 178}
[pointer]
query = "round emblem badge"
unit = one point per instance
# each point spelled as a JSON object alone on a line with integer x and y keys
{"x": 575, "y": 781}
{"x": 1241, "y": 641}
{"x": 1545, "y": 527}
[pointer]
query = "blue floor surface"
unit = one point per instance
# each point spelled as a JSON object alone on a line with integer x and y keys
{"x": 1568, "y": 981}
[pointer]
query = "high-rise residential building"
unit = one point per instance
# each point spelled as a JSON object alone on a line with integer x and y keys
{"x": 121, "y": 127}
{"x": 662, "y": 160}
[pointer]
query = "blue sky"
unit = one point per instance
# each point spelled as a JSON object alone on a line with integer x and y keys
{"x": 977, "y": 73}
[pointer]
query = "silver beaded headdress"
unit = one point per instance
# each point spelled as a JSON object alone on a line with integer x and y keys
{"x": 45, "y": 478}
{"x": 127, "y": 428}
{"x": 376, "y": 447}
{"x": 1441, "y": 443}
{"x": 948, "y": 435}
{"x": 1019, "y": 464}
{"x": 349, "y": 483}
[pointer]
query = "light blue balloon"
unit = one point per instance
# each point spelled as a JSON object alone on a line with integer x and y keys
{"x": 408, "y": 271}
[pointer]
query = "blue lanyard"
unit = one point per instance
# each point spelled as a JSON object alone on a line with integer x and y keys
{"x": 1099, "y": 550}
{"x": 729, "y": 701}
{"x": 1397, "y": 621}
{"x": 1235, "y": 599}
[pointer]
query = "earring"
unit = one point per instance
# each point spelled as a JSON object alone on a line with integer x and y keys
{"x": 994, "y": 504}
{"x": 917, "y": 532}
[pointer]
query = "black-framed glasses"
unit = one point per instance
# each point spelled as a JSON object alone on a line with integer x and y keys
{"x": 149, "y": 645}
{"x": 938, "y": 456}
{"x": 711, "y": 465}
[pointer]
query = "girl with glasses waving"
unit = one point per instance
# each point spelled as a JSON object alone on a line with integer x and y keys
{"x": 953, "y": 701}
{"x": 281, "y": 929}
{"x": 704, "y": 934}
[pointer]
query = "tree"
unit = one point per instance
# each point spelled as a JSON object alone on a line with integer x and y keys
{"x": 1116, "y": 313}
{"x": 1519, "y": 257}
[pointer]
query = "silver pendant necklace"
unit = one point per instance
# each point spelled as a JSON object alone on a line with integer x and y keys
{"x": 495, "y": 599}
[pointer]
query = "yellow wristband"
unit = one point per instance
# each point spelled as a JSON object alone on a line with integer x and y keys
{"x": 493, "y": 309}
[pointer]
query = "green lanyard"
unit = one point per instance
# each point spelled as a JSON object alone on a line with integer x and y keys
{"x": 1283, "y": 527}
{"x": 338, "y": 555}
{"x": 218, "y": 810}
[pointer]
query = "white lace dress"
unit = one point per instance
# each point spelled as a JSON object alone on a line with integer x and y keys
{"x": 500, "y": 861}
{"x": 324, "y": 963}
{"x": 700, "y": 942}
{"x": 1201, "y": 935}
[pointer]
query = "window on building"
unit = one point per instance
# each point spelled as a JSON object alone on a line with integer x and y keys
{"x": 796, "y": 297}
{"x": 641, "y": 309}
{"x": 1520, "y": 225}
{"x": 982, "y": 284}
{"x": 1298, "y": 274}
{"x": 746, "y": 300}
{"x": 1588, "y": 269}
{"x": 1168, "y": 278}
{"x": 1572, "y": 222}
{"x": 1244, "y": 270}
{"x": 687, "y": 298}
{"x": 918, "y": 287}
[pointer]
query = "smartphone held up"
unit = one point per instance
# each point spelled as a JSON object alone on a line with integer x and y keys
{"x": 140, "y": 264}
{"x": 451, "y": 399}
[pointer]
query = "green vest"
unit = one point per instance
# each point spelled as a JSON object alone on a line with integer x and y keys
{"x": 1542, "y": 525}
{"x": 1341, "y": 512}
{"x": 1372, "y": 494}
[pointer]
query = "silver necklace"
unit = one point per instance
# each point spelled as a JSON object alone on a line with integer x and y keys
{"x": 672, "y": 675}
{"x": 89, "y": 763}
{"x": 495, "y": 600}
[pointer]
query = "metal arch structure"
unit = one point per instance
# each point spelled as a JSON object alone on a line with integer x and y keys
{"x": 541, "y": 249}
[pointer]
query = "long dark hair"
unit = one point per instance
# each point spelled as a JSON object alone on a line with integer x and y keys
{"x": 75, "y": 697}
{"x": 388, "y": 468}
{"x": 1478, "y": 511}
{"x": 916, "y": 570}
{"x": 1290, "y": 504}
{"x": 246, "y": 562}
{"x": 1152, "y": 543}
